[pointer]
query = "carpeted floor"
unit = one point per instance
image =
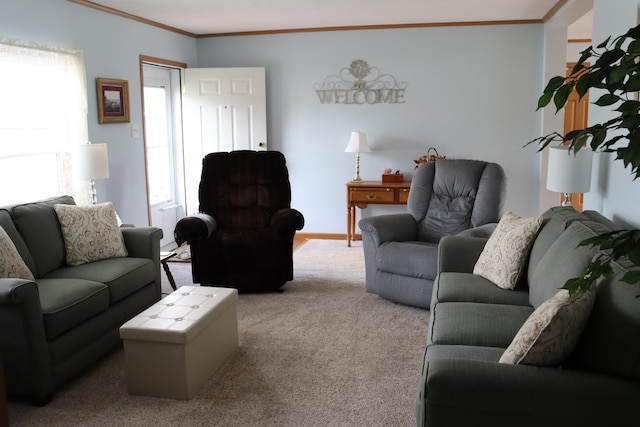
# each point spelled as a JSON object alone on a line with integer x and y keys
{"x": 322, "y": 353}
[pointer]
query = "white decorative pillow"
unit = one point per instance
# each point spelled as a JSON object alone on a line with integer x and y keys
{"x": 552, "y": 331}
{"x": 504, "y": 256}
{"x": 90, "y": 233}
{"x": 11, "y": 263}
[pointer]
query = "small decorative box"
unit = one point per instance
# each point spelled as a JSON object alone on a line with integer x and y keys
{"x": 392, "y": 177}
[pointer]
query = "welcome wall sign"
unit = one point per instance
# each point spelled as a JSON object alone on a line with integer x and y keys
{"x": 360, "y": 84}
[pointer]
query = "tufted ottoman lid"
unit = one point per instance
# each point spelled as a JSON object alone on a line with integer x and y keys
{"x": 180, "y": 316}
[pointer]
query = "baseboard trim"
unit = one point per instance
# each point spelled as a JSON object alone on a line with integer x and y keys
{"x": 326, "y": 236}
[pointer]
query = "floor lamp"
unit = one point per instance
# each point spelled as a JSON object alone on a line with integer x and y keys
{"x": 357, "y": 144}
{"x": 91, "y": 163}
{"x": 568, "y": 172}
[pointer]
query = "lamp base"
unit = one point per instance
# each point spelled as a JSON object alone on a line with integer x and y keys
{"x": 566, "y": 199}
{"x": 93, "y": 194}
{"x": 357, "y": 177}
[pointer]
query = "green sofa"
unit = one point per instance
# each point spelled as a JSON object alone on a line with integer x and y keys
{"x": 69, "y": 317}
{"x": 472, "y": 322}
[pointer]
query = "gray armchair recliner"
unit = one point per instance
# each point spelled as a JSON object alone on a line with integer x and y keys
{"x": 447, "y": 197}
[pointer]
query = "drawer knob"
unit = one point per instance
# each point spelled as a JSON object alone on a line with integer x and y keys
{"x": 371, "y": 196}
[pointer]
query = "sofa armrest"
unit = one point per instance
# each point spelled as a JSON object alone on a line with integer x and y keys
{"x": 390, "y": 228}
{"x": 142, "y": 242}
{"x": 461, "y": 392}
{"x": 23, "y": 343}
{"x": 287, "y": 220}
{"x": 18, "y": 291}
{"x": 484, "y": 231}
{"x": 459, "y": 254}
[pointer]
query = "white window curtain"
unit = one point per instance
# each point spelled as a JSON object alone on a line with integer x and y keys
{"x": 43, "y": 115}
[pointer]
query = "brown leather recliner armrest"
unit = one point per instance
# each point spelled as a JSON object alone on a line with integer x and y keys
{"x": 194, "y": 227}
{"x": 287, "y": 220}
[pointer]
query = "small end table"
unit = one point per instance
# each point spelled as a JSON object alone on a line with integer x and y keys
{"x": 364, "y": 193}
{"x": 164, "y": 257}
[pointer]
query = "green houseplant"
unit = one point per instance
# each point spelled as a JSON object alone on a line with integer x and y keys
{"x": 613, "y": 67}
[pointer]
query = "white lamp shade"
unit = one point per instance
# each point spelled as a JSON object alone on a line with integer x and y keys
{"x": 569, "y": 172}
{"x": 91, "y": 161}
{"x": 358, "y": 143}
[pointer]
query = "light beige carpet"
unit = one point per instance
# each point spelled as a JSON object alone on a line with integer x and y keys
{"x": 322, "y": 353}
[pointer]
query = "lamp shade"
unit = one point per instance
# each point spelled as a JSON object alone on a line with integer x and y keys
{"x": 358, "y": 143}
{"x": 569, "y": 172}
{"x": 91, "y": 161}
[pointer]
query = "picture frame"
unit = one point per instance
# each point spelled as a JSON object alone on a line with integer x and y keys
{"x": 113, "y": 100}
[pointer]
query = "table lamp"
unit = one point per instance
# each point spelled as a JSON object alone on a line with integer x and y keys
{"x": 357, "y": 144}
{"x": 569, "y": 172}
{"x": 91, "y": 163}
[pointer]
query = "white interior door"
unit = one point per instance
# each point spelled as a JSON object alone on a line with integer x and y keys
{"x": 224, "y": 110}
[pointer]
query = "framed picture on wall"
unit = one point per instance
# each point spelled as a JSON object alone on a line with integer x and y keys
{"x": 113, "y": 100}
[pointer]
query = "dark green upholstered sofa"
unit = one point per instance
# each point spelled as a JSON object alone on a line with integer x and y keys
{"x": 472, "y": 322}
{"x": 56, "y": 326}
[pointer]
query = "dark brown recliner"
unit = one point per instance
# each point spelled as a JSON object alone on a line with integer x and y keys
{"x": 243, "y": 236}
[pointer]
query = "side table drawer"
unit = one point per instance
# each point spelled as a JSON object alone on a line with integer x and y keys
{"x": 372, "y": 195}
{"x": 403, "y": 195}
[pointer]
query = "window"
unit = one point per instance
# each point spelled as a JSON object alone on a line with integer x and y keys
{"x": 158, "y": 147}
{"x": 43, "y": 115}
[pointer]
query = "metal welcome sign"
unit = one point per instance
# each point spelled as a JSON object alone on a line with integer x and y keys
{"x": 360, "y": 84}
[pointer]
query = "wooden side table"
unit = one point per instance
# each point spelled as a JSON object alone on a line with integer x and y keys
{"x": 164, "y": 257}
{"x": 364, "y": 193}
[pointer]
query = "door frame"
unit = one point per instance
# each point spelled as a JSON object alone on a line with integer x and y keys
{"x": 144, "y": 59}
{"x": 575, "y": 117}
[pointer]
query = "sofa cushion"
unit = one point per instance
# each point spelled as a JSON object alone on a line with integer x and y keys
{"x": 413, "y": 259}
{"x": 123, "y": 276}
{"x": 66, "y": 303}
{"x": 90, "y": 233}
{"x": 504, "y": 256}
{"x": 552, "y": 331}
{"x": 610, "y": 342}
{"x": 555, "y": 221}
{"x": 6, "y": 222}
{"x": 11, "y": 263}
{"x": 38, "y": 225}
{"x": 465, "y": 287}
{"x": 598, "y": 217}
{"x": 467, "y": 352}
{"x": 489, "y": 325}
{"x": 563, "y": 260}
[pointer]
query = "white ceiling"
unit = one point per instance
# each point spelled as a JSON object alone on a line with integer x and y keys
{"x": 230, "y": 16}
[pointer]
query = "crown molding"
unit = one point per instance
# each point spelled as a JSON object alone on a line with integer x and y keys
{"x": 112, "y": 11}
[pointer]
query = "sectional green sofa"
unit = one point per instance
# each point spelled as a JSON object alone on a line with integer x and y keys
{"x": 53, "y": 327}
{"x": 472, "y": 322}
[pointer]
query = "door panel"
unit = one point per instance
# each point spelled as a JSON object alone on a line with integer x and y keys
{"x": 224, "y": 110}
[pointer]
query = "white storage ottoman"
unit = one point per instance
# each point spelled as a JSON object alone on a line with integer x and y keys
{"x": 172, "y": 348}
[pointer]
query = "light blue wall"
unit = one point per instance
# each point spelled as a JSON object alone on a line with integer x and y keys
{"x": 111, "y": 47}
{"x": 471, "y": 92}
{"x": 613, "y": 192}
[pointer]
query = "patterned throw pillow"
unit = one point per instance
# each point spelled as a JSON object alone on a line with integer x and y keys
{"x": 90, "y": 233}
{"x": 11, "y": 263}
{"x": 504, "y": 256}
{"x": 552, "y": 331}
